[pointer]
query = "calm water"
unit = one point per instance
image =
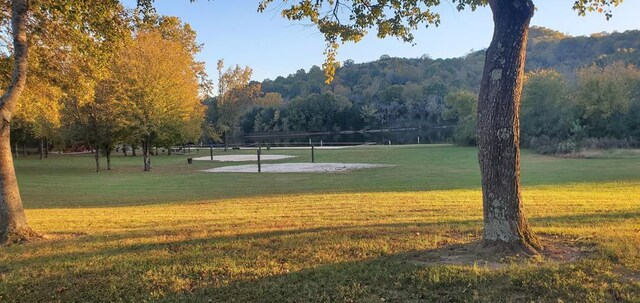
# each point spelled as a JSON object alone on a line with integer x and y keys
{"x": 427, "y": 136}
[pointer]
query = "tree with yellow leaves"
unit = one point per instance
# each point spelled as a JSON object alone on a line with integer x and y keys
{"x": 162, "y": 88}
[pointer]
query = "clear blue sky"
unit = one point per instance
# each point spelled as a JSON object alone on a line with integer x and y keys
{"x": 273, "y": 46}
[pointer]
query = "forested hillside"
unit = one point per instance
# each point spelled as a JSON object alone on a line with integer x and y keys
{"x": 400, "y": 92}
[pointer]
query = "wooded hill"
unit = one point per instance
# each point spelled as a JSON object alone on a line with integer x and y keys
{"x": 400, "y": 92}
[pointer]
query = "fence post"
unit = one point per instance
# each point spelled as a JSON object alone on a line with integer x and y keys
{"x": 313, "y": 155}
{"x": 211, "y": 150}
{"x": 418, "y": 140}
{"x": 259, "y": 164}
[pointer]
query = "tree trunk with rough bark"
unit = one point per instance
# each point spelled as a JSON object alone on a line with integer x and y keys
{"x": 505, "y": 225}
{"x": 13, "y": 221}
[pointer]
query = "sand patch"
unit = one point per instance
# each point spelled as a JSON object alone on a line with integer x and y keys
{"x": 243, "y": 158}
{"x": 294, "y": 168}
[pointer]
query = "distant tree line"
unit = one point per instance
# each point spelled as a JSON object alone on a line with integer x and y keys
{"x": 425, "y": 92}
{"x": 599, "y": 109}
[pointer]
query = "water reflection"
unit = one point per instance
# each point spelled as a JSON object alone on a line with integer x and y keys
{"x": 402, "y": 136}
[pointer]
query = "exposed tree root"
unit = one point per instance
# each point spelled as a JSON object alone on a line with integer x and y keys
{"x": 17, "y": 236}
{"x": 496, "y": 255}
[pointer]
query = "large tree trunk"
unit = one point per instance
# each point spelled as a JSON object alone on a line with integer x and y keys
{"x": 13, "y": 221}
{"x": 133, "y": 150}
{"x": 505, "y": 225}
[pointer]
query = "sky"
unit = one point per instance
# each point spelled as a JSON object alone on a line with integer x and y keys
{"x": 272, "y": 46}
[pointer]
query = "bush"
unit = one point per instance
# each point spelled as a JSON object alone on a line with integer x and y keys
{"x": 554, "y": 146}
{"x": 544, "y": 145}
{"x": 567, "y": 147}
{"x": 606, "y": 143}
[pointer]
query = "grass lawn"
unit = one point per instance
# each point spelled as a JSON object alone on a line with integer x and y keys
{"x": 176, "y": 234}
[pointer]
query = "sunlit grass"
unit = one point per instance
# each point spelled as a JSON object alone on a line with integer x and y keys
{"x": 177, "y": 234}
{"x": 333, "y": 247}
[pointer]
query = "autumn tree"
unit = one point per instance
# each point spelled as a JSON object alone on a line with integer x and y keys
{"x": 39, "y": 114}
{"x": 80, "y": 27}
{"x": 505, "y": 225}
{"x": 236, "y": 95}
{"x": 161, "y": 86}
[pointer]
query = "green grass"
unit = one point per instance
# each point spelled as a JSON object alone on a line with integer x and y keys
{"x": 70, "y": 181}
{"x": 176, "y": 234}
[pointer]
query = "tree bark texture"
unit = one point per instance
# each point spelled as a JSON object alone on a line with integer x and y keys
{"x": 499, "y": 128}
{"x": 13, "y": 221}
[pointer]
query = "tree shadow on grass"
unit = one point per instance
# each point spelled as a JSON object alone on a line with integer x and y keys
{"x": 363, "y": 263}
{"x": 444, "y": 230}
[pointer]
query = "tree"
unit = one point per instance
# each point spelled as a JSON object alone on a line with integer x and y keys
{"x": 505, "y": 225}
{"x": 13, "y": 221}
{"x": 462, "y": 106}
{"x": 236, "y": 95}
{"x": 39, "y": 112}
{"x": 604, "y": 97}
{"x": 546, "y": 110}
{"x": 85, "y": 27}
{"x": 162, "y": 88}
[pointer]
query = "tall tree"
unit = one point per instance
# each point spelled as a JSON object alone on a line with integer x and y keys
{"x": 236, "y": 95}
{"x": 81, "y": 27}
{"x": 505, "y": 225}
{"x": 546, "y": 110}
{"x": 162, "y": 88}
{"x": 13, "y": 221}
